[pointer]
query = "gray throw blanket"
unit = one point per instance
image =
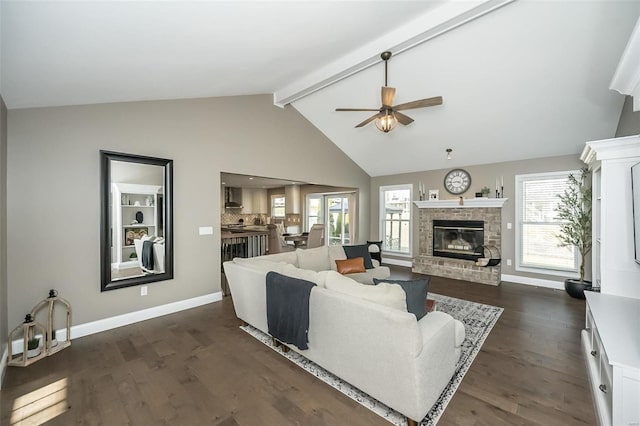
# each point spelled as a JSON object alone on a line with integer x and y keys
{"x": 288, "y": 308}
{"x": 147, "y": 254}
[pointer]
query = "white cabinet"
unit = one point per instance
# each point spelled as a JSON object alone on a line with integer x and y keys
{"x": 135, "y": 213}
{"x": 247, "y": 200}
{"x": 611, "y": 339}
{"x": 614, "y": 267}
{"x": 610, "y": 344}
{"x": 260, "y": 201}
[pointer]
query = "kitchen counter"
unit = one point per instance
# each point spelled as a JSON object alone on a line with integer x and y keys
{"x": 242, "y": 231}
{"x": 246, "y": 241}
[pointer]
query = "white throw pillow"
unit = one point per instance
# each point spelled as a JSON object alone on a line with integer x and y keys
{"x": 336, "y": 253}
{"x": 391, "y": 295}
{"x": 317, "y": 278}
{"x": 315, "y": 259}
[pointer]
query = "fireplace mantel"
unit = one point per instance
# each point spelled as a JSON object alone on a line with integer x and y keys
{"x": 469, "y": 203}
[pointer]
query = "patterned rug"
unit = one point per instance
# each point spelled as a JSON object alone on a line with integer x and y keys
{"x": 478, "y": 320}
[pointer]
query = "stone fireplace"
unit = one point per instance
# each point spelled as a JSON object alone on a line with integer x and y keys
{"x": 458, "y": 232}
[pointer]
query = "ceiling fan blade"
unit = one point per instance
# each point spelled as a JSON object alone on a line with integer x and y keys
{"x": 388, "y": 94}
{"x": 357, "y": 109}
{"x": 403, "y": 119}
{"x": 370, "y": 119}
{"x": 419, "y": 104}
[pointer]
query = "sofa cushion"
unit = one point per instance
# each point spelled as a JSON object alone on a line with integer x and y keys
{"x": 416, "y": 293}
{"x": 359, "y": 251}
{"x": 390, "y": 295}
{"x": 287, "y": 256}
{"x": 336, "y": 253}
{"x": 317, "y": 278}
{"x": 315, "y": 259}
{"x": 350, "y": 266}
{"x": 259, "y": 264}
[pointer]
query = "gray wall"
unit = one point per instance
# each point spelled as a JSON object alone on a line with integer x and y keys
{"x": 4, "y": 323}
{"x": 483, "y": 175}
{"x": 53, "y": 192}
{"x": 629, "y": 123}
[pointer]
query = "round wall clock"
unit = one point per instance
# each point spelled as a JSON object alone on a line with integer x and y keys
{"x": 457, "y": 181}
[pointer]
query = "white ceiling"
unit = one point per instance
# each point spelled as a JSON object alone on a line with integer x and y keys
{"x": 529, "y": 79}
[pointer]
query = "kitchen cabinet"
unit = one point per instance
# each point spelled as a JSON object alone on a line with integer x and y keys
{"x": 247, "y": 201}
{"x": 260, "y": 201}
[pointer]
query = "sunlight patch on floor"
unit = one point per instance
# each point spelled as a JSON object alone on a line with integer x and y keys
{"x": 40, "y": 405}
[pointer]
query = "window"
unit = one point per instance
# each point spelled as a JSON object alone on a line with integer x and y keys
{"x": 336, "y": 211}
{"x": 337, "y": 207}
{"x": 277, "y": 205}
{"x": 537, "y": 244}
{"x": 395, "y": 218}
{"x": 314, "y": 210}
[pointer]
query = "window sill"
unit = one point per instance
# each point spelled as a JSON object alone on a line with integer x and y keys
{"x": 544, "y": 271}
{"x": 397, "y": 254}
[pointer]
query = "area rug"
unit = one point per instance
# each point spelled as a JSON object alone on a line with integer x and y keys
{"x": 478, "y": 320}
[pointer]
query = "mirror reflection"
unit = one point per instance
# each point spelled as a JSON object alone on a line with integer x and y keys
{"x": 136, "y": 244}
{"x": 137, "y": 194}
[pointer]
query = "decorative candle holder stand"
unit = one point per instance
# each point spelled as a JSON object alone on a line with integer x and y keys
{"x": 53, "y": 345}
{"x": 490, "y": 256}
{"x": 33, "y": 333}
{"x": 28, "y": 331}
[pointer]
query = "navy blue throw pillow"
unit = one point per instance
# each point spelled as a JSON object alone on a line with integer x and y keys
{"x": 416, "y": 293}
{"x": 359, "y": 251}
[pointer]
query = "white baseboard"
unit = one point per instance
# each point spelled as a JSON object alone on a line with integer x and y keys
{"x": 105, "y": 324}
{"x": 398, "y": 262}
{"x": 3, "y": 363}
{"x": 557, "y": 285}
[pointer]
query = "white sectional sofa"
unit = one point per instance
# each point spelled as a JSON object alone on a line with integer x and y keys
{"x": 361, "y": 333}
{"x": 324, "y": 259}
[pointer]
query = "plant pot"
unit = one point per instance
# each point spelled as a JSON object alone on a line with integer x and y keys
{"x": 575, "y": 287}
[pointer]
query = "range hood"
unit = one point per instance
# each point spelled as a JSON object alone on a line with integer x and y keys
{"x": 232, "y": 198}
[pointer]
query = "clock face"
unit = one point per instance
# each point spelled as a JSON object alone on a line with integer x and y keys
{"x": 457, "y": 181}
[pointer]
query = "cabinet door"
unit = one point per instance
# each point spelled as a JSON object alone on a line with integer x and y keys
{"x": 260, "y": 205}
{"x": 630, "y": 410}
{"x": 247, "y": 201}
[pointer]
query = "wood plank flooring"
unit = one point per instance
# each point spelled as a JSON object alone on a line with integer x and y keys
{"x": 197, "y": 367}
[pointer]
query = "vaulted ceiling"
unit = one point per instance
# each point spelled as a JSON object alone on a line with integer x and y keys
{"x": 520, "y": 79}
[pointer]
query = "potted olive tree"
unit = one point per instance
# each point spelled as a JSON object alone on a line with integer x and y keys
{"x": 574, "y": 210}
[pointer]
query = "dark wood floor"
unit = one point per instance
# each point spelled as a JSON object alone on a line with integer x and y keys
{"x": 198, "y": 368}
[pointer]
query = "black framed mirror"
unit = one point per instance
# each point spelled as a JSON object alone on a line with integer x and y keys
{"x": 136, "y": 220}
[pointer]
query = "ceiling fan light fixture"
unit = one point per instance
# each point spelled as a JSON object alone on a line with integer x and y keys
{"x": 386, "y": 123}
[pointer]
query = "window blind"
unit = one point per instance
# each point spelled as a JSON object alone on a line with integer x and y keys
{"x": 538, "y": 224}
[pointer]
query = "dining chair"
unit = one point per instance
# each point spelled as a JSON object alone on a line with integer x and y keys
{"x": 316, "y": 236}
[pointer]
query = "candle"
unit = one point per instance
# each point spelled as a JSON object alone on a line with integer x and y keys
{"x": 496, "y": 184}
{"x": 502, "y": 180}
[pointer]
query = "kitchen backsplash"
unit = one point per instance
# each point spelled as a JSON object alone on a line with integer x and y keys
{"x": 231, "y": 218}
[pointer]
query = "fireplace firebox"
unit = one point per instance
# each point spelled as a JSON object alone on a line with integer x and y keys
{"x": 458, "y": 239}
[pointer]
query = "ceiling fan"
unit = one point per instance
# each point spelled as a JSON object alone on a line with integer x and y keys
{"x": 388, "y": 114}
